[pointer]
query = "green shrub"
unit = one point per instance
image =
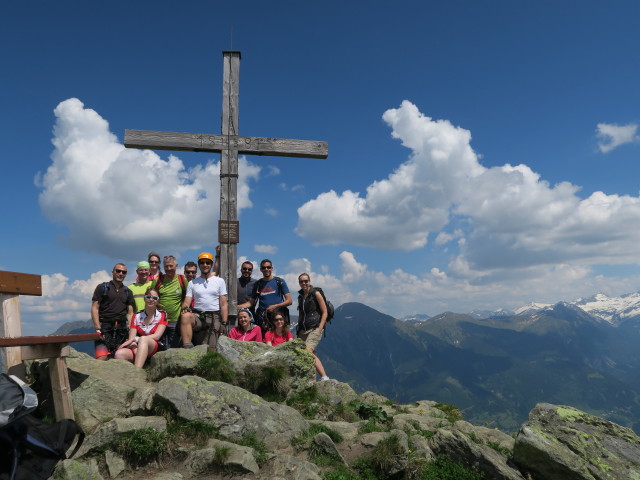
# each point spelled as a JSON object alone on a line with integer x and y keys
{"x": 214, "y": 367}
{"x": 250, "y": 440}
{"x": 372, "y": 426}
{"x": 417, "y": 429}
{"x": 340, "y": 473}
{"x": 141, "y": 446}
{"x": 496, "y": 446}
{"x": 475, "y": 438}
{"x": 453, "y": 413}
{"x": 369, "y": 411}
{"x": 268, "y": 380}
{"x": 443, "y": 469}
{"x": 195, "y": 431}
{"x": 302, "y": 441}
{"x": 222, "y": 454}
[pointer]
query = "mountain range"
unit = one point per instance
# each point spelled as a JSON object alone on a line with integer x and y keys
{"x": 584, "y": 354}
{"x": 495, "y": 366}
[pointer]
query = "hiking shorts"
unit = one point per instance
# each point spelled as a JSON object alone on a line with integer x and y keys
{"x": 311, "y": 338}
{"x": 208, "y": 328}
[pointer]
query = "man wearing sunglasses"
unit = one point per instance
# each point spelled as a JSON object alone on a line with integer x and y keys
{"x": 111, "y": 311}
{"x": 207, "y": 320}
{"x": 245, "y": 284}
{"x": 271, "y": 292}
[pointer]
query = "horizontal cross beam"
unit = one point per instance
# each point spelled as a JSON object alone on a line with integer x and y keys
{"x": 202, "y": 142}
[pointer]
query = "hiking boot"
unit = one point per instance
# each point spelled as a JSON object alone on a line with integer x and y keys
{"x": 187, "y": 345}
{"x": 324, "y": 379}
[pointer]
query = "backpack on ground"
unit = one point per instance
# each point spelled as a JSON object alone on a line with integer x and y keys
{"x": 30, "y": 448}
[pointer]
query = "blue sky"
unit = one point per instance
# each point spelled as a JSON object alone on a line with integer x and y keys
{"x": 481, "y": 154}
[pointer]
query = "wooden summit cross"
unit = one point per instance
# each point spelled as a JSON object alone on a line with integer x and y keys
{"x": 229, "y": 144}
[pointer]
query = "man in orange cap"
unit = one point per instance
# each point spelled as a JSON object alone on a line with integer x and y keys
{"x": 207, "y": 320}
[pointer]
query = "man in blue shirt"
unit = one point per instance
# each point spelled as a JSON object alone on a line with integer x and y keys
{"x": 270, "y": 293}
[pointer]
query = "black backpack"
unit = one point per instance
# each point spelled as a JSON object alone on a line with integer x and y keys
{"x": 30, "y": 448}
{"x": 330, "y": 310}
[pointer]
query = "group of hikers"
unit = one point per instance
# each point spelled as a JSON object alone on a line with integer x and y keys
{"x": 163, "y": 310}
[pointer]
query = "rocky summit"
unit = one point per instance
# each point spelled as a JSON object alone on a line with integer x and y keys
{"x": 254, "y": 412}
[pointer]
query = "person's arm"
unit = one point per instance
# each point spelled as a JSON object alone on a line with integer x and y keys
{"x": 129, "y": 313}
{"x": 131, "y": 339}
{"x": 248, "y": 304}
{"x": 223, "y": 308}
{"x": 216, "y": 263}
{"x": 157, "y": 335}
{"x": 323, "y": 309}
{"x": 95, "y": 306}
{"x": 286, "y": 303}
{"x": 186, "y": 303}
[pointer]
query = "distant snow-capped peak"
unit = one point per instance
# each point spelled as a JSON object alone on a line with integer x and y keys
{"x": 611, "y": 309}
{"x": 531, "y": 308}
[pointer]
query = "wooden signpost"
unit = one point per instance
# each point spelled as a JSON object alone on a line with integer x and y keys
{"x": 14, "y": 348}
{"x": 229, "y": 144}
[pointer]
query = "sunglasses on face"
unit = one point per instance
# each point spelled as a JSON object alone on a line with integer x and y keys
{"x": 154, "y": 261}
{"x": 151, "y": 297}
{"x": 190, "y": 272}
{"x": 205, "y": 262}
{"x": 278, "y": 319}
{"x": 117, "y": 270}
{"x": 247, "y": 269}
{"x": 266, "y": 267}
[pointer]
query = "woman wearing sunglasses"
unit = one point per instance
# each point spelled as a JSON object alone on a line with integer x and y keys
{"x": 147, "y": 328}
{"x": 245, "y": 331}
{"x": 279, "y": 332}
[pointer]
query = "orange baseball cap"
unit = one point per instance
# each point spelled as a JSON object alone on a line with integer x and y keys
{"x": 206, "y": 256}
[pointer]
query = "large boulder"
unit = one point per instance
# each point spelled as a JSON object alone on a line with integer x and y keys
{"x": 247, "y": 356}
{"x": 100, "y": 390}
{"x": 468, "y": 451}
{"x": 175, "y": 362}
{"x": 564, "y": 443}
{"x": 232, "y": 410}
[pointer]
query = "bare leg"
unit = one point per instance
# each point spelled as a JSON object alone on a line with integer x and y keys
{"x": 124, "y": 354}
{"x": 187, "y": 322}
{"x": 318, "y": 364}
{"x": 145, "y": 345}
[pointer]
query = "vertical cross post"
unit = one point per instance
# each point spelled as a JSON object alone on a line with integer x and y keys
{"x": 229, "y": 177}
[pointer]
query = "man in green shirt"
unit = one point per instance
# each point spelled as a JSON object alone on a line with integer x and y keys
{"x": 172, "y": 289}
{"x": 142, "y": 283}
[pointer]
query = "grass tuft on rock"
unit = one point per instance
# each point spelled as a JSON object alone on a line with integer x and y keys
{"x": 142, "y": 446}
{"x": 216, "y": 368}
{"x": 453, "y": 413}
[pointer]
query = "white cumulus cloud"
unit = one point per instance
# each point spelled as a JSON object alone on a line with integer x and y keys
{"x": 612, "y": 136}
{"x": 514, "y": 220}
{"x": 270, "y": 249}
{"x": 113, "y": 200}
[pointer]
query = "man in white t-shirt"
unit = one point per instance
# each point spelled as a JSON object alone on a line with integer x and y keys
{"x": 207, "y": 319}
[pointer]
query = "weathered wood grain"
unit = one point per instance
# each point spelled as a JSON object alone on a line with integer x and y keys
{"x": 20, "y": 283}
{"x": 202, "y": 142}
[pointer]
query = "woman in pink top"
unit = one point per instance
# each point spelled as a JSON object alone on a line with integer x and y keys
{"x": 279, "y": 332}
{"x": 245, "y": 331}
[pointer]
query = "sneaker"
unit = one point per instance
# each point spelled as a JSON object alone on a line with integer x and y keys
{"x": 324, "y": 379}
{"x": 187, "y": 345}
